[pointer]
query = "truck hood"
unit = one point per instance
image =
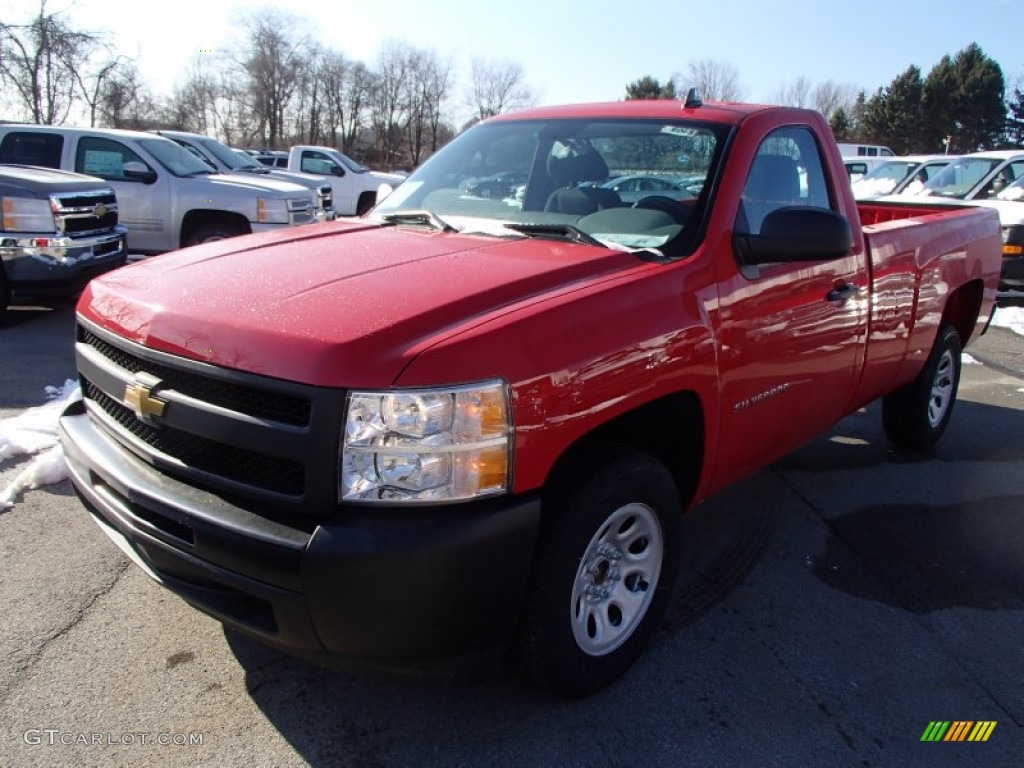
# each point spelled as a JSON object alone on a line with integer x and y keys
{"x": 44, "y": 181}
{"x": 253, "y": 183}
{"x": 1011, "y": 212}
{"x": 341, "y": 304}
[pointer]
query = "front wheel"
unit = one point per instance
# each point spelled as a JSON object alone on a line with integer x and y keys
{"x": 209, "y": 233}
{"x": 606, "y": 562}
{"x": 916, "y": 415}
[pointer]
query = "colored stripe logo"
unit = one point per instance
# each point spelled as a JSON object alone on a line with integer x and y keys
{"x": 958, "y": 730}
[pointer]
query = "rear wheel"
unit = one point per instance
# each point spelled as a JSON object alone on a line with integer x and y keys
{"x": 605, "y": 566}
{"x": 915, "y": 416}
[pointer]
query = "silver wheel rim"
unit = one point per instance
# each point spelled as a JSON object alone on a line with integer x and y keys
{"x": 616, "y": 579}
{"x": 942, "y": 389}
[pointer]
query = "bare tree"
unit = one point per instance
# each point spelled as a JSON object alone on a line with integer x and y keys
{"x": 272, "y": 62}
{"x": 356, "y": 101}
{"x": 429, "y": 89}
{"x": 794, "y": 94}
{"x": 497, "y": 87}
{"x": 829, "y": 97}
{"x": 390, "y": 99}
{"x": 40, "y": 62}
{"x": 123, "y": 101}
{"x": 193, "y": 106}
{"x": 714, "y": 80}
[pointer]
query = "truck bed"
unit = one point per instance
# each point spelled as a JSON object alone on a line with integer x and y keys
{"x": 919, "y": 253}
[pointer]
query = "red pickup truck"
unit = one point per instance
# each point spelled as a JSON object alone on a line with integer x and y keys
{"x": 466, "y": 423}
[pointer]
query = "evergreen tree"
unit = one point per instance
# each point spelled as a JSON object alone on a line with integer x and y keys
{"x": 964, "y": 102}
{"x": 1015, "y": 119}
{"x": 841, "y": 124}
{"x": 894, "y": 116}
{"x": 648, "y": 87}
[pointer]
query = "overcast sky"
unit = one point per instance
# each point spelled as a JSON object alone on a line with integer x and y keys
{"x": 589, "y": 50}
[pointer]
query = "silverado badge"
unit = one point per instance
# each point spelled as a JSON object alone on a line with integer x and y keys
{"x": 138, "y": 395}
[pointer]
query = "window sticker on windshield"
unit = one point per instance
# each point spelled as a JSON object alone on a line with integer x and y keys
{"x": 679, "y": 130}
{"x": 104, "y": 164}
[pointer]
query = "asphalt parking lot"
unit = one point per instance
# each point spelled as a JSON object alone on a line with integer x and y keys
{"x": 833, "y": 606}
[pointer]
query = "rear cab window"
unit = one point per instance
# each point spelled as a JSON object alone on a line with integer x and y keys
{"x": 28, "y": 148}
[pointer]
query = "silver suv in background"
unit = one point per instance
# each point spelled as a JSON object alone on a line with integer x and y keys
{"x": 226, "y": 160}
{"x": 168, "y": 198}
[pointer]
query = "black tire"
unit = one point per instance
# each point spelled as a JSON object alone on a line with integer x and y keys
{"x": 916, "y": 415}
{"x": 209, "y": 233}
{"x": 606, "y": 563}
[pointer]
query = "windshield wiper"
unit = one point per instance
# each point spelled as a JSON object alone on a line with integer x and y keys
{"x": 429, "y": 218}
{"x": 566, "y": 231}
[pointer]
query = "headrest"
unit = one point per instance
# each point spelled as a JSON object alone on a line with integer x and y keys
{"x": 773, "y": 177}
{"x": 571, "y": 170}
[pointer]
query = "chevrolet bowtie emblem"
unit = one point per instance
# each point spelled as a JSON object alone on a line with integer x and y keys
{"x": 138, "y": 395}
{"x": 99, "y": 211}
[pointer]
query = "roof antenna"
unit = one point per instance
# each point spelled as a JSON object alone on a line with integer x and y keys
{"x": 692, "y": 99}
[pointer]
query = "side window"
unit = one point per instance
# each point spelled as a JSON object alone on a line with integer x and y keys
{"x": 104, "y": 158}
{"x": 320, "y": 164}
{"x": 24, "y": 148}
{"x": 787, "y": 170}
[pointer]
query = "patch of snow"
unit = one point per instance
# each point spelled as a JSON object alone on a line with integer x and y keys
{"x": 1010, "y": 317}
{"x": 34, "y": 431}
{"x": 967, "y": 359}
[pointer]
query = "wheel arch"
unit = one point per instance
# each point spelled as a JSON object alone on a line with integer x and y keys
{"x": 671, "y": 429}
{"x": 195, "y": 219}
{"x": 366, "y": 201}
{"x": 962, "y": 308}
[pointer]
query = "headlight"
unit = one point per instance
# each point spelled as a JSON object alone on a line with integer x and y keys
{"x": 271, "y": 211}
{"x": 25, "y": 215}
{"x": 426, "y": 445}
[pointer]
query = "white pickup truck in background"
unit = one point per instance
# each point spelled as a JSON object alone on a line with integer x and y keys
{"x": 355, "y": 186}
{"x": 168, "y": 198}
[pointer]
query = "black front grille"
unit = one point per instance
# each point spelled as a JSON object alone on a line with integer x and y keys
{"x": 86, "y": 212}
{"x": 258, "y": 403}
{"x": 215, "y": 458}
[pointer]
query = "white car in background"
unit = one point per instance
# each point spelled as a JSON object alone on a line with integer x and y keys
{"x": 898, "y": 174}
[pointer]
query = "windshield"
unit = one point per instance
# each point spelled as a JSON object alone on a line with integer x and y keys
{"x": 228, "y": 156}
{"x": 959, "y": 177}
{"x": 636, "y": 183}
{"x": 174, "y": 158}
{"x": 894, "y": 171}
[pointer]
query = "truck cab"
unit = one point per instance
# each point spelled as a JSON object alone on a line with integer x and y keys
{"x": 356, "y": 187}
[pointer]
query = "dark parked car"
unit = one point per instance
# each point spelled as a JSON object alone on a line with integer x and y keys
{"x": 499, "y": 185}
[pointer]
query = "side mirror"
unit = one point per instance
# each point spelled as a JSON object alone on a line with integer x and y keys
{"x": 796, "y": 233}
{"x": 133, "y": 170}
{"x": 337, "y": 170}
